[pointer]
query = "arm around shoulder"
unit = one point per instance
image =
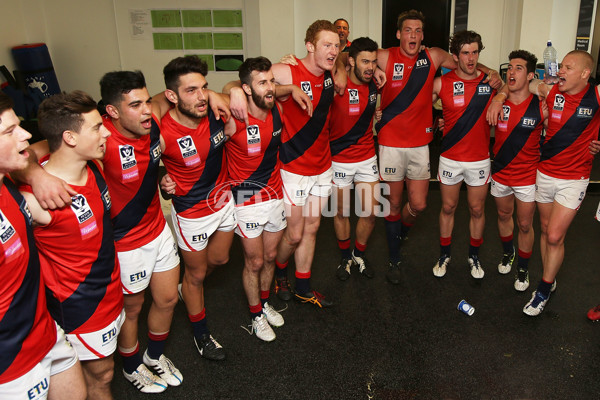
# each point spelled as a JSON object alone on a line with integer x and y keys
{"x": 38, "y": 214}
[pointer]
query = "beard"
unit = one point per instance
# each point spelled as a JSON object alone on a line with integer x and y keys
{"x": 190, "y": 111}
{"x": 359, "y": 75}
{"x": 261, "y": 102}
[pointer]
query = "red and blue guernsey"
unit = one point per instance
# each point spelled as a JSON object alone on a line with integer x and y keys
{"x": 466, "y": 131}
{"x": 573, "y": 122}
{"x": 196, "y": 162}
{"x": 27, "y": 332}
{"x": 406, "y": 101}
{"x": 517, "y": 142}
{"x": 253, "y": 159}
{"x": 79, "y": 260}
{"x": 305, "y": 141}
{"x": 131, "y": 170}
{"x": 351, "y": 123}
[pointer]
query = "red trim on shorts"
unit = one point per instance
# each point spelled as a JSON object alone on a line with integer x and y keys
{"x": 287, "y": 195}
{"x": 242, "y": 232}
{"x": 125, "y": 289}
{"x": 183, "y": 237}
{"x": 90, "y": 348}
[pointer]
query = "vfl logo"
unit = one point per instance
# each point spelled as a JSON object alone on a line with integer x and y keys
{"x": 446, "y": 174}
{"x": 328, "y": 82}
{"x": 353, "y": 96}
{"x": 374, "y": 166}
{"x": 389, "y": 171}
{"x": 584, "y": 112}
{"x": 398, "y": 72}
{"x": 529, "y": 122}
{"x": 421, "y": 63}
{"x": 459, "y": 89}
{"x": 218, "y": 138}
{"x": 127, "y": 154}
{"x": 559, "y": 102}
{"x": 481, "y": 174}
{"x": 253, "y": 134}
{"x": 81, "y": 208}
{"x": 188, "y": 151}
{"x": 203, "y": 237}
{"x": 505, "y": 113}
{"x": 581, "y": 196}
{"x": 306, "y": 88}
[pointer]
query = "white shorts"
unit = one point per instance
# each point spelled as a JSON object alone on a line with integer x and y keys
{"x": 475, "y": 173}
{"x": 193, "y": 233}
{"x": 253, "y": 219}
{"x": 566, "y": 192}
{"x": 363, "y": 171}
{"x": 525, "y": 194}
{"x": 34, "y": 384}
{"x": 137, "y": 265}
{"x": 397, "y": 163}
{"x": 99, "y": 344}
{"x": 296, "y": 188}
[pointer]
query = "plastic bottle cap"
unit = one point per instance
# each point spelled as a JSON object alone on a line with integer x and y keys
{"x": 549, "y": 43}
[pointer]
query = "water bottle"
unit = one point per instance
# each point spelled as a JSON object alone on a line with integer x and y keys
{"x": 550, "y": 65}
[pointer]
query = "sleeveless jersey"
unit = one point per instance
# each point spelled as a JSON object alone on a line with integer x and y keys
{"x": 196, "y": 162}
{"x": 573, "y": 122}
{"x": 78, "y": 259}
{"x": 351, "y": 123}
{"x": 253, "y": 160}
{"x": 131, "y": 170}
{"x": 305, "y": 140}
{"x": 27, "y": 331}
{"x": 517, "y": 142}
{"x": 466, "y": 131}
{"x": 406, "y": 100}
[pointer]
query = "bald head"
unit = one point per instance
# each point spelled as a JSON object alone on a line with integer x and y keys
{"x": 584, "y": 59}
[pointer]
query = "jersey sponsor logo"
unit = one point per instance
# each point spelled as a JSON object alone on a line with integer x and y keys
{"x": 10, "y": 239}
{"x": 129, "y": 169}
{"x": 155, "y": 152}
{"x": 307, "y": 88}
{"x": 484, "y": 90}
{"x": 389, "y": 170}
{"x": 300, "y": 193}
{"x": 203, "y": 237}
{"x": 218, "y": 139}
{"x": 277, "y": 133}
{"x": 585, "y": 112}
{"x": 340, "y": 175}
{"x": 109, "y": 335}
{"x": 106, "y": 199}
{"x": 503, "y": 118}
{"x": 446, "y": 174}
{"x": 39, "y": 390}
{"x": 373, "y": 98}
{"x": 328, "y": 82}
{"x": 253, "y": 139}
{"x": 250, "y": 226}
{"x": 421, "y": 63}
{"x": 458, "y": 93}
{"x": 87, "y": 222}
{"x": 188, "y": 151}
{"x": 137, "y": 277}
{"x": 529, "y": 122}
{"x": 398, "y": 72}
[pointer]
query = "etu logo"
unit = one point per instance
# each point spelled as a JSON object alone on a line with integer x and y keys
{"x": 138, "y": 276}
{"x": 38, "y": 389}
{"x": 252, "y": 225}
{"x": 107, "y": 336}
{"x": 199, "y": 238}
{"x": 388, "y": 170}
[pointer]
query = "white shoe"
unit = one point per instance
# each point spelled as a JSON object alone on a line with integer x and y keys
{"x": 145, "y": 381}
{"x": 507, "y": 262}
{"x": 522, "y": 285}
{"x": 439, "y": 269}
{"x": 275, "y": 319}
{"x": 536, "y": 304}
{"x": 476, "y": 269}
{"x": 164, "y": 368}
{"x": 262, "y": 329}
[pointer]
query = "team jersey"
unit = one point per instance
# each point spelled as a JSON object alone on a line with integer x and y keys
{"x": 466, "y": 131}
{"x": 573, "y": 122}
{"x": 253, "y": 159}
{"x": 305, "y": 140}
{"x": 79, "y": 261}
{"x": 406, "y": 100}
{"x": 196, "y": 162}
{"x": 351, "y": 123}
{"x": 27, "y": 332}
{"x": 517, "y": 142}
{"x": 131, "y": 170}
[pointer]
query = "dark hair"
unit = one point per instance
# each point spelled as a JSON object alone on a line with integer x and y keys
{"x": 182, "y": 66}
{"x": 259, "y": 64}
{"x": 6, "y": 103}
{"x": 362, "y": 44}
{"x": 114, "y": 85}
{"x": 529, "y": 58}
{"x": 63, "y": 112}
{"x": 459, "y": 39}
{"x": 341, "y": 19}
{"x": 316, "y": 27}
{"x": 410, "y": 14}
